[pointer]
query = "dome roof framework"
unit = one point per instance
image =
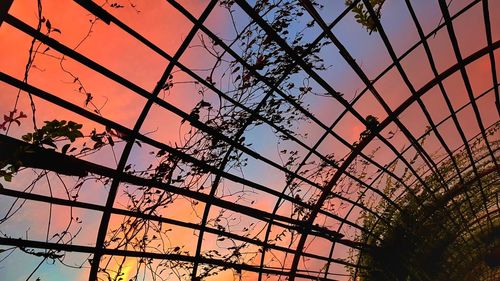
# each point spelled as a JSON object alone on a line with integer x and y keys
{"x": 463, "y": 182}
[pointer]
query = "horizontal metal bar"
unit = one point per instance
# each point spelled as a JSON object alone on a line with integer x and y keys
{"x": 128, "y": 253}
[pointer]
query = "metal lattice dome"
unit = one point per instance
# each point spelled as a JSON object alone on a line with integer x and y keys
{"x": 249, "y": 140}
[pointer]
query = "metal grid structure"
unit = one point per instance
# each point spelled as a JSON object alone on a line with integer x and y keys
{"x": 339, "y": 239}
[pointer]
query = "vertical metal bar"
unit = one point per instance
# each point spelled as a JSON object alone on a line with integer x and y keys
{"x": 101, "y": 236}
{"x": 4, "y": 9}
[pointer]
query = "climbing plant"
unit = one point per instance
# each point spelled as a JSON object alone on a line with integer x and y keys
{"x": 442, "y": 228}
{"x": 253, "y": 86}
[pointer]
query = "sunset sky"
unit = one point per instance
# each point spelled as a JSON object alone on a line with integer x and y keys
{"x": 163, "y": 25}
